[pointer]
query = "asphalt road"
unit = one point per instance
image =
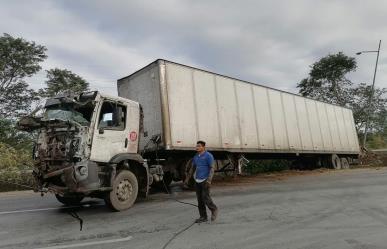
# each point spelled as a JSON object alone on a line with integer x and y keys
{"x": 342, "y": 209}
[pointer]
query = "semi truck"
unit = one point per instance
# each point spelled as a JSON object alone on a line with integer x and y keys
{"x": 116, "y": 148}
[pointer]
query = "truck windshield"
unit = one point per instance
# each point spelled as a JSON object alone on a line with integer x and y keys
{"x": 65, "y": 114}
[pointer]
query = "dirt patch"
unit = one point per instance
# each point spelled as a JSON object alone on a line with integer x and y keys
{"x": 17, "y": 193}
{"x": 283, "y": 175}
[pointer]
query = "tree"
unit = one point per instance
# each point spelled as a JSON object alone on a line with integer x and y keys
{"x": 18, "y": 59}
{"x": 63, "y": 80}
{"x": 327, "y": 81}
{"x": 377, "y": 111}
{"x": 12, "y": 137}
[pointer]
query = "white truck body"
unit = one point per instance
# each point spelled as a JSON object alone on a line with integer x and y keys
{"x": 185, "y": 104}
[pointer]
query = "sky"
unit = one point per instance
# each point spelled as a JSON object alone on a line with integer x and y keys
{"x": 272, "y": 43}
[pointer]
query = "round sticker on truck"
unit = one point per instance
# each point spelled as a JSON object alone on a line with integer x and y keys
{"x": 133, "y": 136}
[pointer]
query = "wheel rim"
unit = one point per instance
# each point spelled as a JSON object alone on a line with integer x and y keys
{"x": 124, "y": 190}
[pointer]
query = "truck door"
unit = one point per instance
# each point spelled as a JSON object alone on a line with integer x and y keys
{"x": 110, "y": 131}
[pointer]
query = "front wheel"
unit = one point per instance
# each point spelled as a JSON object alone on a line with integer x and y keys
{"x": 69, "y": 200}
{"x": 124, "y": 193}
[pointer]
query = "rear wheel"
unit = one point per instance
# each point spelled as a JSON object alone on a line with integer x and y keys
{"x": 344, "y": 163}
{"x": 69, "y": 200}
{"x": 336, "y": 161}
{"x": 124, "y": 193}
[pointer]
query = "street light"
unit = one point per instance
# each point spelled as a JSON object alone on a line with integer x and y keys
{"x": 372, "y": 90}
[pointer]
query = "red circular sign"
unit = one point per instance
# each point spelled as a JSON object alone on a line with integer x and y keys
{"x": 133, "y": 136}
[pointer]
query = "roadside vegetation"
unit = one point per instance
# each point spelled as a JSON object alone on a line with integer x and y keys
{"x": 16, "y": 167}
{"x": 266, "y": 166}
{"x": 19, "y": 60}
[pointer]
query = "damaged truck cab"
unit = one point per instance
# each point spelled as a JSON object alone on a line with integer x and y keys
{"x": 88, "y": 146}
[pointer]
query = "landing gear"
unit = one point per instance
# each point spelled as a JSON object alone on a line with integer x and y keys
{"x": 167, "y": 180}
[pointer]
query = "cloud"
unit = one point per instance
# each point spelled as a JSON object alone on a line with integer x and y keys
{"x": 267, "y": 42}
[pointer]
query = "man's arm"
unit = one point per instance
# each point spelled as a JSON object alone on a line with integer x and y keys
{"x": 212, "y": 171}
{"x": 211, "y": 164}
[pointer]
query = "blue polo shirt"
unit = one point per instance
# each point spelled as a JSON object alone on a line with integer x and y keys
{"x": 203, "y": 163}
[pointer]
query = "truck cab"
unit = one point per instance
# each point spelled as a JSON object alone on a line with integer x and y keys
{"x": 87, "y": 145}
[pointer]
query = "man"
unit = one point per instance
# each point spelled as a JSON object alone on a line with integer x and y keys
{"x": 203, "y": 165}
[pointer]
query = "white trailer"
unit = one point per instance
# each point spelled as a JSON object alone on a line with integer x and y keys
{"x": 185, "y": 104}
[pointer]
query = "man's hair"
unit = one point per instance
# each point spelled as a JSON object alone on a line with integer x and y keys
{"x": 201, "y": 143}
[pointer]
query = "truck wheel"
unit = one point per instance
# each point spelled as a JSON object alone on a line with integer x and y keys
{"x": 344, "y": 163}
{"x": 69, "y": 200}
{"x": 336, "y": 161}
{"x": 124, "y": 193}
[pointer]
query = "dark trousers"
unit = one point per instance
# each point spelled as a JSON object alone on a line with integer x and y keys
{"x": 204, "y": 199}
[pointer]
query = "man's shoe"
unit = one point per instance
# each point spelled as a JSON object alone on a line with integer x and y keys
{"x": 214, "y": 214}
{"x": 200, "y": 220}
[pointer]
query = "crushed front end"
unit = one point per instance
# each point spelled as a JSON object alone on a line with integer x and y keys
{"x": 62, "y": 149}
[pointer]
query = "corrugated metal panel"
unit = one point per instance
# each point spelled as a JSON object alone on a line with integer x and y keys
{"x": 278, "y": 119}
{"x": 314, "y": 123}
{"x": 291, "y": 122}
{"x": 181, "y": 106}
{"x": 350, "y": 130}
{"x": 342, "y": 131}
{"x": 333, "y": 127}
{"x": 207, "y": 113}
{"x": 247, "y": 121}
{"x": 263, "y": 115}
{"x": 324, "y": 126}
{"x": 228, "y": 113}
{"x": 303, "y": 123}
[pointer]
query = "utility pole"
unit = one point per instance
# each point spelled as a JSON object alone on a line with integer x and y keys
{"x": 372, "y": 92}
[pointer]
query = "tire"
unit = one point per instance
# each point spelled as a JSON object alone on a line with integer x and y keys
{"x": 344, "y": 163}
{"x": 69, "y": 200}
{"x": 335, "y": 161}
{"x": 124, "y": 193}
